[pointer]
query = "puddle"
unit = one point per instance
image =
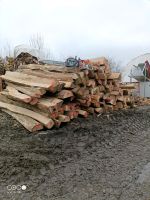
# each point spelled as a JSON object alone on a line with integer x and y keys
{"x": 144, "y": 177}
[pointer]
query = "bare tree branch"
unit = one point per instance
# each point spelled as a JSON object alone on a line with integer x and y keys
{"x": 7, "y": 50}
{"x": 114, "y": 65}
{"x": 37, "y": 41}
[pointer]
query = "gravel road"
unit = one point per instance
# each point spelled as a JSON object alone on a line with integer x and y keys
{"x": 98, "y": 158}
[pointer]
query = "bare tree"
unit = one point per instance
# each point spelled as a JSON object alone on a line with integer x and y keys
{"x": 47, "y": 54}
{"x": 37, "y": 41}
{"x": 7, "y": 50}
{"x": 114, "y": 65}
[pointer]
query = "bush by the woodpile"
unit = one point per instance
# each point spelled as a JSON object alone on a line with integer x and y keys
{"x": 2, "y": 68}
{"x": 9, "y": 64}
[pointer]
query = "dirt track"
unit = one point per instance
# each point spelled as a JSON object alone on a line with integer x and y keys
{"x": 100, "y": 158}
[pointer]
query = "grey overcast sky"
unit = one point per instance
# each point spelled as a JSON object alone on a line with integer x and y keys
{"x": 86, "y": 28}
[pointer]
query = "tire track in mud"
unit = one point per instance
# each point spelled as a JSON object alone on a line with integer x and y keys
{"x": 28, "y": 158}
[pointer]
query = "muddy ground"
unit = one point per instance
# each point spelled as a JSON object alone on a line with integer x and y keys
{"x": 100, "y": 158}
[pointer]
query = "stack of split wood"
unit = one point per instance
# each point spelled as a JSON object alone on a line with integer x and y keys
{"x": 41, "y": 96}
{"x": 141, "y": 101}
{"x": 128, "y": 94}
{"x": 25, "y": 58}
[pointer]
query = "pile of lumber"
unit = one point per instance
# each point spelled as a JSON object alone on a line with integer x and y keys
{"x": 127, "y": 90}
{"x": 25, "y": 58}
{"x": 41, "y": 96}
{"x": 141, "y": 101}
{"x": 11, "y": 63}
